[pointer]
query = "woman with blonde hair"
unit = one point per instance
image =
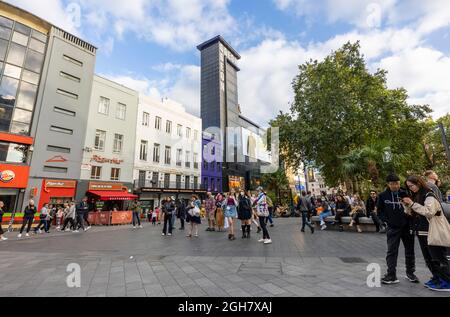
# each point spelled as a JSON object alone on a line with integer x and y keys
{"x": 358, "y": 211}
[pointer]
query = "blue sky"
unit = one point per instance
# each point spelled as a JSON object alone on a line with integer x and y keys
{"x": 150, "y": 45}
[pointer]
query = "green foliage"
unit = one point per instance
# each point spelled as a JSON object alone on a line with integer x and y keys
{"x": 344, "y": 118}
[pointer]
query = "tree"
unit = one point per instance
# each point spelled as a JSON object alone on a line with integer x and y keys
{"x": 343, "y": 116}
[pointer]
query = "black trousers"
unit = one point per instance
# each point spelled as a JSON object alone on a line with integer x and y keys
{"x": 182, "y": 222}
{"x": 338, "y": 217}
{"x": 80, "y": 221}
{"x": 66, "y": 222}
{"x": 376, "y": 221}
{"x": 86, "y": 218}
{"x": 26, "y": 221}
{"x": 394, "y": 236}
{"x": 305, "y": 221}
{"x": 167, "y": 224}
{"x": 136, "y": 216}
{"x": 356, "y": 217}
{"x": 42, "y": 225}
{"x": 436, "y": 259}
{"x": 263, "y": 224}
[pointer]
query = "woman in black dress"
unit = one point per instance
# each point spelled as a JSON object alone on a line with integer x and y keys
{"x": 193, "y": 216}
{"x": 245, "y": 213}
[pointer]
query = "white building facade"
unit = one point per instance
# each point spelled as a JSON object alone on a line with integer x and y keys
{"x": 108, "y": 154}
{"x": 167, "y": 151}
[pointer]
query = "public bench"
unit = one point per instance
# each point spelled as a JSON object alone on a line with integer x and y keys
{"x": 367, "y": 224}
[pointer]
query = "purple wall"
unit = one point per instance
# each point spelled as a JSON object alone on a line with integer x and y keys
{"x": 211, "y": 170}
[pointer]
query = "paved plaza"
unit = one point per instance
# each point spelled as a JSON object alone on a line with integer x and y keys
{"x": 120, "y": 261}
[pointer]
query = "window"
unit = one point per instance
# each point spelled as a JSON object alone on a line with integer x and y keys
{"x": 67, "y": 93}
{"x": 73, "y": 60}
{"x": 205, "y": 183}
{"x": 100, "y": 139}
{"x": 12, "y": 71}
{"x": 115, "y": 174}
{"x": 53, "y": 169}
{"x": 121, "y": 111}
{"x": 205, "y": 165}
{"x": 118, "y": 143}
{"x": 30, "y": 77}
{"x": 13, "y": 153}
{"x": 70, "y": 77}
{"x": 168, "y": 126}
{"x": 34, "y": 61}
{"x": 16, "y": 54}
{"x": 196, "y": 182}
{"x": 179, "y": 157}
{"x": 19, "y": 38}
{"x": 59, "y": 149}
{"x": 61, "y": 130}
{"x": 27, "y": 96}
{"x": 195, "y": 160}
{"x": 39, "y": 36}
{"x": 103, "y": 106}
{"x": 3, "y": 47}
{"x": 179, "y": 130}
{"x": 168, "y": 156}
{"x": 6, "y": 22}
{"x": 188, "y": 159}
{"x": 156, "y": 153}
{"x": 5, "y": 34}
{"x": 195, "y": 135}
{"x": 96, "y": 172}
{"x": 37, "y": 46}
{"x": 23, "y": 116}
{"x": 22, "y": 29}
{"x": 143, "y": 151}
{"x": 188, "y": 133}
{"x": 8, "y": 91}
{"x": 158, "y": 123}
{"x": 64, "y": 111}
{"x": 146, "y": 119}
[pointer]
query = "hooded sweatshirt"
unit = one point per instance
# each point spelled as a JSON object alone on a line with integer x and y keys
{"x": 390, "y": 209}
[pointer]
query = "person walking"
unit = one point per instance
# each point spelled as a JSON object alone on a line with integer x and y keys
{"x": 2, "y": 212}
{"x": 219, "y": 216}
{"x": 28, "y": 218}
{"x": 44, "y": 218}
{"x": 371, "y": 209}
{"x": 193, "y": 217}
{"x": 81, "y": 209}
{"x": 262, "y": 212}
{"x": 358, "y": 211}
{"x": 168, "y": 209}
{"x": 135, "y": 207}
{"x": 210, "y": 206}
{"x": 174, "y": 214}
{"x": 231, "y": 204}
{"x": 59, "y": 215}
{"x": 69, "y": 217}
{"x": 245, "y": 213}
{"x": 392, "y": 212}
{"x": 270, "y": 205}
{"x": 304, "y": 207}
{"x": 423, "y": 205}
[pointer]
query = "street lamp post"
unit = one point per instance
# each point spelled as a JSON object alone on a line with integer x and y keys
{"x": 444, "y": 141}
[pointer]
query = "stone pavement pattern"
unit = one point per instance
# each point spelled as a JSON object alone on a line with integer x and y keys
{"x": 120, "y": 261}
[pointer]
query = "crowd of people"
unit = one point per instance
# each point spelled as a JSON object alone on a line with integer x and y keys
{"x": 221, "y": 212}
{"x": 67, "y": 217}
{"x": 402, "y": 212}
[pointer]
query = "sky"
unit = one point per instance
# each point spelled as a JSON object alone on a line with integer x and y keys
{"x": 150, "y": 45}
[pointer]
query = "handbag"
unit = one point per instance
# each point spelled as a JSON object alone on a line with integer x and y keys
{"x": 439, "y": 231}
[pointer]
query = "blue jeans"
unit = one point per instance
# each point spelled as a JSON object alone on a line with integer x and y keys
{"x": 305, "y": 221}
{"x": 269, "y": 219}
{"x": 324, "y": 215}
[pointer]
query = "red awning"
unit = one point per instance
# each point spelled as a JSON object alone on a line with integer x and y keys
{"x": 113, "y": 195}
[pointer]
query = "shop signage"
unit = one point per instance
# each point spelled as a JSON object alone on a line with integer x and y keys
{"x": 151, "y": 190}
{"x": 57, "y": 159}
{"x": 7, "y": 176}
{"x": 105, "y": 186}
{"x": 99, "y": 159}
{"x": 14, "y": 176}
{"x": 60, "y": 184}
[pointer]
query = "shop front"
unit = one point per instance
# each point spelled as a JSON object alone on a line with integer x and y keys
{"x": 13, "y": 182}
{"x": 109, "y": 203}
{"x": 57, "y": 192}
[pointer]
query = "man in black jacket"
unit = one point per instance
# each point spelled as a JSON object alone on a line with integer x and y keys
{"x": 82, "y": 209}
{"x": 391, "y": 211}
{"x": 168, "y": 209}
{"x": 371, "y": 208}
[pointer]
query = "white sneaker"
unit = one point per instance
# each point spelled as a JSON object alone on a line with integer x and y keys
{"x": 322, "y": 223}
{"x": 169, "y": 234}
{"x": 76, "y": 231}
{"x": 262, "y": 240}
{"x": 134, "y": 227}
{"x": 268, "y": 241}
{"x": 27, "y": 235}
{"x": 40, "y": 231}
{"x": 141, "y": 227}
{"x": 323, "y": 227}
{"x": 67, "y": 230}
{"x": 163, "y": 234}
{"x": 88, "y": 228}
{"x": 19, "y": 235}
{"x": 4, "y": 239}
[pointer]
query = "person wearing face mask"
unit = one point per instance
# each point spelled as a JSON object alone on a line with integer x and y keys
{"x": 391, "y": 212}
